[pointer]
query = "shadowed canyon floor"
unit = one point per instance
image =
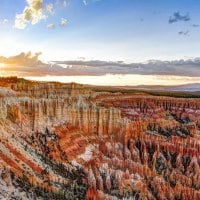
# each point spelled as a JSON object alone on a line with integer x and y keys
{"x": 69, "y": 141}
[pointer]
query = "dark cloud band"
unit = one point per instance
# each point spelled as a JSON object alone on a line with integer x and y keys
{"x": 29, "y": 64}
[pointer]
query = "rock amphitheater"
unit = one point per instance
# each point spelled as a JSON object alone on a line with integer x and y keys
{"x": 68, "y": 141}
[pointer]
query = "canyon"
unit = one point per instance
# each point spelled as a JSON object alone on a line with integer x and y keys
{"x": 71, "y": 141}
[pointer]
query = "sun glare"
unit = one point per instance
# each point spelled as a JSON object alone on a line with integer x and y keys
{"x": 119, "y": 80}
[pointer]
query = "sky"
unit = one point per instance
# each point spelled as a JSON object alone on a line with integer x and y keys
{"x": 93, "y": 41}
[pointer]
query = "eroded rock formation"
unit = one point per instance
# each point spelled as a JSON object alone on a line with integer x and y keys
{"x": 65, "y": 141}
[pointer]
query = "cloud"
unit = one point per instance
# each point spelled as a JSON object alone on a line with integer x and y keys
{"x": 23, "y": 59}
{"x": 85, "y": 2}
{"x": 63, "y": 22}
{"x": 195, "y": 25}
{"x": 32, "y": 13}
{"x": 190, "y": 67}
{"x": 51, "y": 26}
{"x": 4, "y": 21}
{"x": 65, "y": 3}
{"x": 37, "y": 10}
{"x": 50, "y": 8}
{"x": 28, "y": 64}
{"x": 185, "y": 33}
{"x": 178, "y": 17}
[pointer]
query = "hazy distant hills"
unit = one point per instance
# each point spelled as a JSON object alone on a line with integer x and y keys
{"x": 194, "y": 87}
{"x": 185, "y": 91}
{"x": 187, "y": 87}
